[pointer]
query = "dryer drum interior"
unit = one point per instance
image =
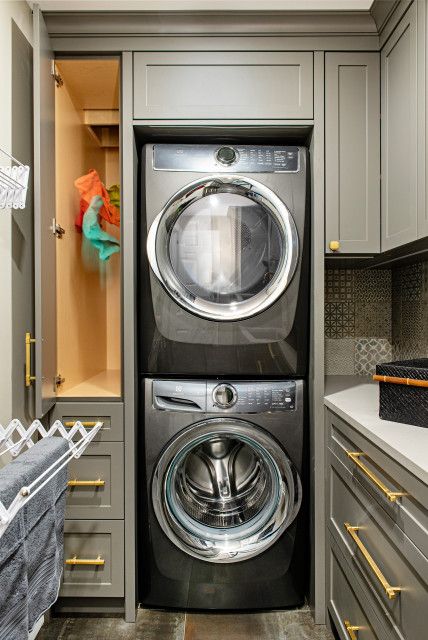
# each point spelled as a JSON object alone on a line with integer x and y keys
{"x": 225, "y": 491}
{"x": 224, "y": 247}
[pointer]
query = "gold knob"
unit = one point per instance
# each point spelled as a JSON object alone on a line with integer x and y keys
{"x": 334, "y": 245}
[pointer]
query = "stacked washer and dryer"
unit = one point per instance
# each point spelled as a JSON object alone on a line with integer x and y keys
{"x": 223, "y": 356}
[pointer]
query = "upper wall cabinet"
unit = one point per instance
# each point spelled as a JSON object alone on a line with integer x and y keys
{"x": 400, "y": 153}
{"x": 352, "y": 148}
{"x": 223, "y": 85}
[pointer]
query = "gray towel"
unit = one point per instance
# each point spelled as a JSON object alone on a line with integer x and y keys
{"x": 31, "y": 549}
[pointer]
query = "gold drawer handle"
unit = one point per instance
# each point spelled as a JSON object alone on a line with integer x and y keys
{"x": 86, "y": 483}
{"x": 391, "y": 592}
{"x": 351, "y": 629}
{"x": 391, "y": 495}
{"x": 97, "y": 562}
{"x": 334, "y": 245}
{"x": 28, "y": 342}
{"x": 84, "y": 424}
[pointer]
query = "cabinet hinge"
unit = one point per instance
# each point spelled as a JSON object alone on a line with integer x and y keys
{"x": 57, "y": 230}
{"x": 59, "y": 380}
{"x": 55, "y": 75}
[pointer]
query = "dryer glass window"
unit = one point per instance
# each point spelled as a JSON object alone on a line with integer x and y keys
{"x": 225, "y": 248}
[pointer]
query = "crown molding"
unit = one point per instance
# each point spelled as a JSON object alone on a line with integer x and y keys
{"x": 68, "y": 24}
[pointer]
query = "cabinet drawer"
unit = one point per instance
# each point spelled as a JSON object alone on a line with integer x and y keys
{"x": 384, "y": 556}
{"x": 344, "y": 605}
{"x": 109, "y": 413}
{"x": 223, "y": 84}
{"x": 95, "y": 483}
{"x": 410, "y": 511}
{"x": 93, "y": 559}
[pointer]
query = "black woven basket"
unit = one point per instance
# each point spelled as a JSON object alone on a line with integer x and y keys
{"x": 403, "y": 402}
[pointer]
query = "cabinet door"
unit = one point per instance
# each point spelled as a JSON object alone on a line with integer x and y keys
{"x": 352, "y": 148}
{"x": 44, "y": 213}
{"x": 183, "y": 84}
{"x": 399, "y": 134}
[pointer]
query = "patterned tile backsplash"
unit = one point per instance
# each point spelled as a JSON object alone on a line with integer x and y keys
{"x": 373, "y": 316}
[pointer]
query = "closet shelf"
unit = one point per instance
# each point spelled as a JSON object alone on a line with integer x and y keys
{"x": 104, "y": 384}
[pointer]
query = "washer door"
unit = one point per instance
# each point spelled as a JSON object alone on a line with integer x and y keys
{"x": 224, "y": 247}
{"x": 224, "y": 490}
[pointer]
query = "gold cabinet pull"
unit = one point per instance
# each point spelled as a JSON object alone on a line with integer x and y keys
{"x": 84, "y": 424}
{"x": 391, "y": 495}
{"x": 28, "y": 342}
{"x": 96, "y": 562}
{"x": 86, "y": 483}
{"x": 334, "y": 245}
{"x": 391, "y": 592}
{"x": 351, "y": 629}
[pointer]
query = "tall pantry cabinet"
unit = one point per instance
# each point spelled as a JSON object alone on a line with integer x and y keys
{"x": 78, "y": 307}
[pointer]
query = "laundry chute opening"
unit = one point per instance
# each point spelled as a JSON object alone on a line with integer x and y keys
{"x": 88, "y": 271}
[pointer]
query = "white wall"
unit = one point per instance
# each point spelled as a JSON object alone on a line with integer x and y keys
{"x": 20, "y": 12}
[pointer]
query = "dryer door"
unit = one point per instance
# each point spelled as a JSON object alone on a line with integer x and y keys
{"x": 224, "y": 247}
{"x": 224, "y": 490}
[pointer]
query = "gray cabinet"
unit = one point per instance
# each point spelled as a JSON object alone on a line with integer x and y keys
{"x": 231, "y": 85}
{"x": 352, "y": 152}
{"x": 95, "y": 483}
{"x": 400, "y": 133}
{"x": 109, "y": 413}
{"x": 376, "y": 516}
{"x": 93, "y": 558}
{"x": 44, "y": 212}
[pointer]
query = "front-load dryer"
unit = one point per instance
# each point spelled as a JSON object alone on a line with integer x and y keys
{"x": 223, "y": 495}
{"x": 224, "y": 279}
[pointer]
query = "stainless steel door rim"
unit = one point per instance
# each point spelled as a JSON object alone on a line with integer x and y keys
{"x": 224, "y": 490}
{"x": 260, "y": 198}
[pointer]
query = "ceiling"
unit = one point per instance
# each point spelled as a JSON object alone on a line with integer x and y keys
{"x": 205, "y": 5}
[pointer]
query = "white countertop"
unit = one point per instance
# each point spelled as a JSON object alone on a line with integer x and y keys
{"x": 356, "y": 400}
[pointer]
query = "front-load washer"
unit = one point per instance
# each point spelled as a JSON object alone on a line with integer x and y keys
{"x": 223, "y": 495}
{"x": 224, "y": 279}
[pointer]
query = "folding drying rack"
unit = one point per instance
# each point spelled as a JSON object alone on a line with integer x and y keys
{"x": 13, "y": 183}
{"x": 15, "y": 437}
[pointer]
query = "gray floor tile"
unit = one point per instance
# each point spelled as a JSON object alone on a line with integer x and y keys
{"x": 53, "y": 630}
{"x": 274, "y": 625}
{"x": 159, "y": 625}
{"x": 165, "y": 625}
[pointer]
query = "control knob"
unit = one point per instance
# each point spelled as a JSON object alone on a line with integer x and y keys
{"x": 226, "y": 155}
{"x": 224, "y": 396}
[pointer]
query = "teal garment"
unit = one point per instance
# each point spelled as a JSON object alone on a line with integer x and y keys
{"x": 106, "y": 244}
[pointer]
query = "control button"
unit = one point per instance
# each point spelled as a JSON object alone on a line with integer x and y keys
{"x": 226, "y": 155}
{"x": 224, "y": 396}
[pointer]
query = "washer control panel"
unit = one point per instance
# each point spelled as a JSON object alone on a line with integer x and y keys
{"x": 212, "y": 158}
{"x": 257, "y": 397}
{"x": 231, "y": 397}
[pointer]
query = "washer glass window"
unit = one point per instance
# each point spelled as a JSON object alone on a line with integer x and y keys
{"x": 224, "y": 247}
{"x": 224, "y": 491}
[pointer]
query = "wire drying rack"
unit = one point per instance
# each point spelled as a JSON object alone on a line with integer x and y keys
{"x": 13, "y": 183}
{"x": 16, "y": 437}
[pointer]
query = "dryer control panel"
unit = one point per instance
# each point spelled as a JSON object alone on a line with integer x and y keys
{"x": 217, "y": 158}
{"x": 223, "y": 396}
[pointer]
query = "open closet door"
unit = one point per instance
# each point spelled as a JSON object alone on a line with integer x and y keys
{"x": 44, "y": 219}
